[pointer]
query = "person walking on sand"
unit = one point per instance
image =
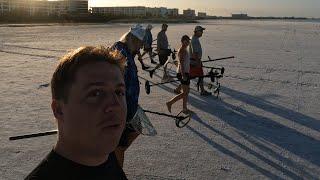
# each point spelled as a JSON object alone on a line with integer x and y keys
{"x": 147, "y": 48}
{"x": 196, "y": 69}
{"x": 183, "y": 75}
{"x": 129, "y": 45}
{"x": 163, "y": 52}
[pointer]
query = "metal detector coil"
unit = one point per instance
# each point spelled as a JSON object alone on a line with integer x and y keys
{"x": 182, "y": 121}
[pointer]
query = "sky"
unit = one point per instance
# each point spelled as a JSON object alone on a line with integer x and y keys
{"x": 298, "y": 8}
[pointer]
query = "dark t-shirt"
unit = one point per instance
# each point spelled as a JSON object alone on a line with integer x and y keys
{"x": 55, "y": 167}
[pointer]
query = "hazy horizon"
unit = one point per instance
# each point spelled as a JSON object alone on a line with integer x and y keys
{"x": 297, "y": 8}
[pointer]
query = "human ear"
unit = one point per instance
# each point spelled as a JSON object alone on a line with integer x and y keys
{"x": 56, "y": 107}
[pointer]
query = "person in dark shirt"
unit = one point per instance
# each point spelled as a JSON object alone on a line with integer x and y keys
{"x": 163, "y": 53}
{"x": 147, "y": 47}
{"x": 89, "y": 105}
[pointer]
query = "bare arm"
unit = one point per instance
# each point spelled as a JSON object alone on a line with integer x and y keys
{"x": 182, "y": 56}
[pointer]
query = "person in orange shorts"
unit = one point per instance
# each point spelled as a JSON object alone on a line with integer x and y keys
{"x": 196, "y": 69}
{"x": 196, "y": 63}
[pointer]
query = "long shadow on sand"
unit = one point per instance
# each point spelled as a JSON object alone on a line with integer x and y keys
{"x": 274, "y": 108}
{"x": 235, "y": 156}
{"x": 287, "y": 172}
{"x": 263, "y": 128}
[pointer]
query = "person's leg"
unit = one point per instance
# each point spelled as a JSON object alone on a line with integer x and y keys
{"x": 176, "y": 98}
{"x": 120, "y": 150}
{"x": 203, "y": 92}
{"x": 178, "y": 89}
{"x": 165, "y": 64}
{"x": 151, "y": 56}
{"x": 185, "y": 89}
{"x": 173, "y": 100}
{"x": 200, "y": 83}
{"x": 161, "y": 59}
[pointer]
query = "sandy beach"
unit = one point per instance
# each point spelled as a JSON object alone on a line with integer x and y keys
{"x": 265, "y": 125}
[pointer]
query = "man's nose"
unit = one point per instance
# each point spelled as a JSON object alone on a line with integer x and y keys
{"x": 113, "y": 103}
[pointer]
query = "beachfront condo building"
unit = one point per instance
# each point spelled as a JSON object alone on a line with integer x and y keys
{"x": 202, "y": 14}
{"x": 135, "y": 11}
{"x": 173, "y": 12}
{"x": 189, "y": 13}
{"x": 239, "y": 16}
{"x": 43, "y": 7}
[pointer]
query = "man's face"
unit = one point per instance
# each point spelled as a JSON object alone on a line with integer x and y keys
{"x": 164, "y": 28}
{"x": 135, "y": 45}
{"x": 199, "y": 33}
{"x": 94, "y": 116}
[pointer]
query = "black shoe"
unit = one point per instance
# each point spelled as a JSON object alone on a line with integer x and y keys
{"x": 151, "y": 73}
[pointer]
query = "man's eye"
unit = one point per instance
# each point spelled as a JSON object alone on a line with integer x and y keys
{"x": 120, "y": 92}
{"x": 96, "y": 93}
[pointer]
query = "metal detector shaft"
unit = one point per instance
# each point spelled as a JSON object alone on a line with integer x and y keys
{"x": 52, "y": 132}
{"x": 167, "y": 115}
{"x": 211, "y": 67}
{"x": 218, "y": 59}
{"x": 47, "y": 133}
{"x": 164, "y": 82}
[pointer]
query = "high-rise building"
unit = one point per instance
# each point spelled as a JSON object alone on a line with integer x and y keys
{"x": 189, "y": 13}
{"x": 133, "y": 11}
{"x": 173, "y": 12}
{"x": 202, "y": 14}
{"x": 240, "y": 16}
{"x": 4, "y": 6}
{"x": 44, "y": 7}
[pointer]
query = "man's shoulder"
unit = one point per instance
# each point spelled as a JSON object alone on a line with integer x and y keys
{"x": 194, "y": 39}
{"x": 55, "y": 167}
{"x": 161, "y": 33}
{"x": 182, "y": 50}
{"x": 45, "y": 170}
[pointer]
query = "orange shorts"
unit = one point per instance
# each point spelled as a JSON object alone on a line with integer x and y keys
{"x": 196, "y": 71}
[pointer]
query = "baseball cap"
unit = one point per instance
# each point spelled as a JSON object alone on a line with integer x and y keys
{"x": 199, "y": 28}
{"x": 149, "y": 26}
{"x": 138, "y": 31}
